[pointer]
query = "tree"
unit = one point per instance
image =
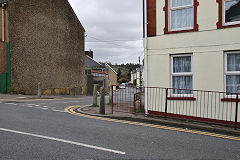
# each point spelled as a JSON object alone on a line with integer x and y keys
{"x": 119, "y": 73}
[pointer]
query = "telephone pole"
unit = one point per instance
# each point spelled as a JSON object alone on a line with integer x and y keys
{"x": 140, "y": 81}
{"x": 140, "y": 72}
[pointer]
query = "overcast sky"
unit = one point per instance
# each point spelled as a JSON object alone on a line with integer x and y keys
{"x": 113, "y": 28}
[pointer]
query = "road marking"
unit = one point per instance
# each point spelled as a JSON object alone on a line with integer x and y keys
{"x": 71, "y": 111}
{"x": 12, "y": 104}
{"x": 74, "y": 101}
{"x": 63, "y": 141}
{"x": 55, "y": 110}
{"x": 61, "y": 102}
{"x": 44, "y": 108}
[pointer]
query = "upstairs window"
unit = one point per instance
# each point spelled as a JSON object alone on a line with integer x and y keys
{"x": 229, "y": 13}
{"x": 181, "y": 12}
{"x": 180, "y": 16}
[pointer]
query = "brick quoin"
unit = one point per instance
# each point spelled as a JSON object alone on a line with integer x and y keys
{"x": 151, "y": 17}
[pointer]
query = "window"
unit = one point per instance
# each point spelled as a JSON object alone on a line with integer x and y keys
{"x": 180, "y": 16}
{"x": 229, "y": 13}
{"x": 232, "y": 72}
{"x": 182, "y": 74}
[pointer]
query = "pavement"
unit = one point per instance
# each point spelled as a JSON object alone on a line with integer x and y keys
{"x": 141, "y": 117}
{"x": 20, "y": 97}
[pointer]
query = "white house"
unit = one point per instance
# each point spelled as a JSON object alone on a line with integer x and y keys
{"x": 194, "y": 44}
{"x": 136, "y": 75}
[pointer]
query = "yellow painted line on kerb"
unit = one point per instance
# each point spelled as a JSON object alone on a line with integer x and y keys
{"x": 71, "y": 111}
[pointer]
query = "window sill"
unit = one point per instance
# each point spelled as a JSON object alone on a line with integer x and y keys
{"x": 227, "y": 26}
{"x": 180, "y": 31}
{"x": 230, "y": 100}
{"x": 182, "y": 98}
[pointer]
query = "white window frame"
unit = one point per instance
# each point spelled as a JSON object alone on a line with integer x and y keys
{"x": 170, "y": 9}
{"x": 181, "y": 74}
{"x": 223, "y": 11}
{"x": 231, "y": 73}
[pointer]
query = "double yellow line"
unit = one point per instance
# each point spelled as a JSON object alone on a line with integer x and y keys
{"x": 71, "y": 111}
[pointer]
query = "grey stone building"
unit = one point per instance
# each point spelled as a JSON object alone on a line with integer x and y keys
{"x": 46, "y": 45}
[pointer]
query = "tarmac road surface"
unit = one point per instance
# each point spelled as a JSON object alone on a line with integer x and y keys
{"x": 41, "y": 129}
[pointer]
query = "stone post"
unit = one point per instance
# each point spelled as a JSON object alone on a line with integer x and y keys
{"x": 39, "y": 90}
{"x": 110, "y": 93}
{"x": 95, "y": 95}
{"x": 102, "y": 101}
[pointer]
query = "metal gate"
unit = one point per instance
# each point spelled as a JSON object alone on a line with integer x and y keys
{"x": 128, "y": 99}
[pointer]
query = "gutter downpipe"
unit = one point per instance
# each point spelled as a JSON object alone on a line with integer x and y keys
{"x": 145, "y": 58}
{"x": 3, "y": 25}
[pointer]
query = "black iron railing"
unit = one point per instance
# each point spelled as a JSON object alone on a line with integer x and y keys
{"x": 209, "y": 106}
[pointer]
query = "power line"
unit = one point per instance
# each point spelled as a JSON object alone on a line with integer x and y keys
{"x": 122, "y": 40}
{"x": 112, "y": 43}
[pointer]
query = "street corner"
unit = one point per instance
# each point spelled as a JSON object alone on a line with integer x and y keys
{"x": 70, "y": 109}
{"x": 73, "y": 110}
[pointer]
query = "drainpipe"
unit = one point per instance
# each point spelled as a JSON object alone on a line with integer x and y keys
{"x": 145, "y": 57}
{"x": 3, "y": 25}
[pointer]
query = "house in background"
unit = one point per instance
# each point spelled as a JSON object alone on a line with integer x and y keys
{"x": 93, "y": 72}
{"x": 111, "y": 77}
{"x": 137, "y": 76}
{"x": 194, "y": 44}
{"x": 41, "y": 41}
{"x": 96, "y": 73}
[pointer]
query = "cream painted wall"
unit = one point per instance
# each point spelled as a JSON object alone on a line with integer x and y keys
{"x": 208, "y": 71}
{"x": 158, "y": 70}
{"x": 207, "y": 46}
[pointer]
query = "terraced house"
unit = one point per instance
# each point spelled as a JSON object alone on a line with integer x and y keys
{"x": 41, "y": 41}
{"x": 195, "y": 45}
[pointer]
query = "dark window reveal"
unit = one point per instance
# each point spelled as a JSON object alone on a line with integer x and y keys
{"x": 232, "y": 11}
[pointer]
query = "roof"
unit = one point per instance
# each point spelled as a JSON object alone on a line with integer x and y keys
{"x": 89, "y": 62}
{"x": 111, "y": 68}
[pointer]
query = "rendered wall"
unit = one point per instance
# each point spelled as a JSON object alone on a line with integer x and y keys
{"x": 207, "y": 46}
{"x": 47, "y": 46}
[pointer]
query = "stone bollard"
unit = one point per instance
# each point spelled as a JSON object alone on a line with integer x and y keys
{"x": 39, "y": 89}
{"x": 110, "y": 95}
{"x": 102, "y": 101}
{"x": 95, "y": 95}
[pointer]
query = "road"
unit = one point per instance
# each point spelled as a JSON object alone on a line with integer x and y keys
{"x": 41, "y": 129}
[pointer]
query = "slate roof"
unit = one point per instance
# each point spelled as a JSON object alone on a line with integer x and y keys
{"x": 89, "y": 62}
